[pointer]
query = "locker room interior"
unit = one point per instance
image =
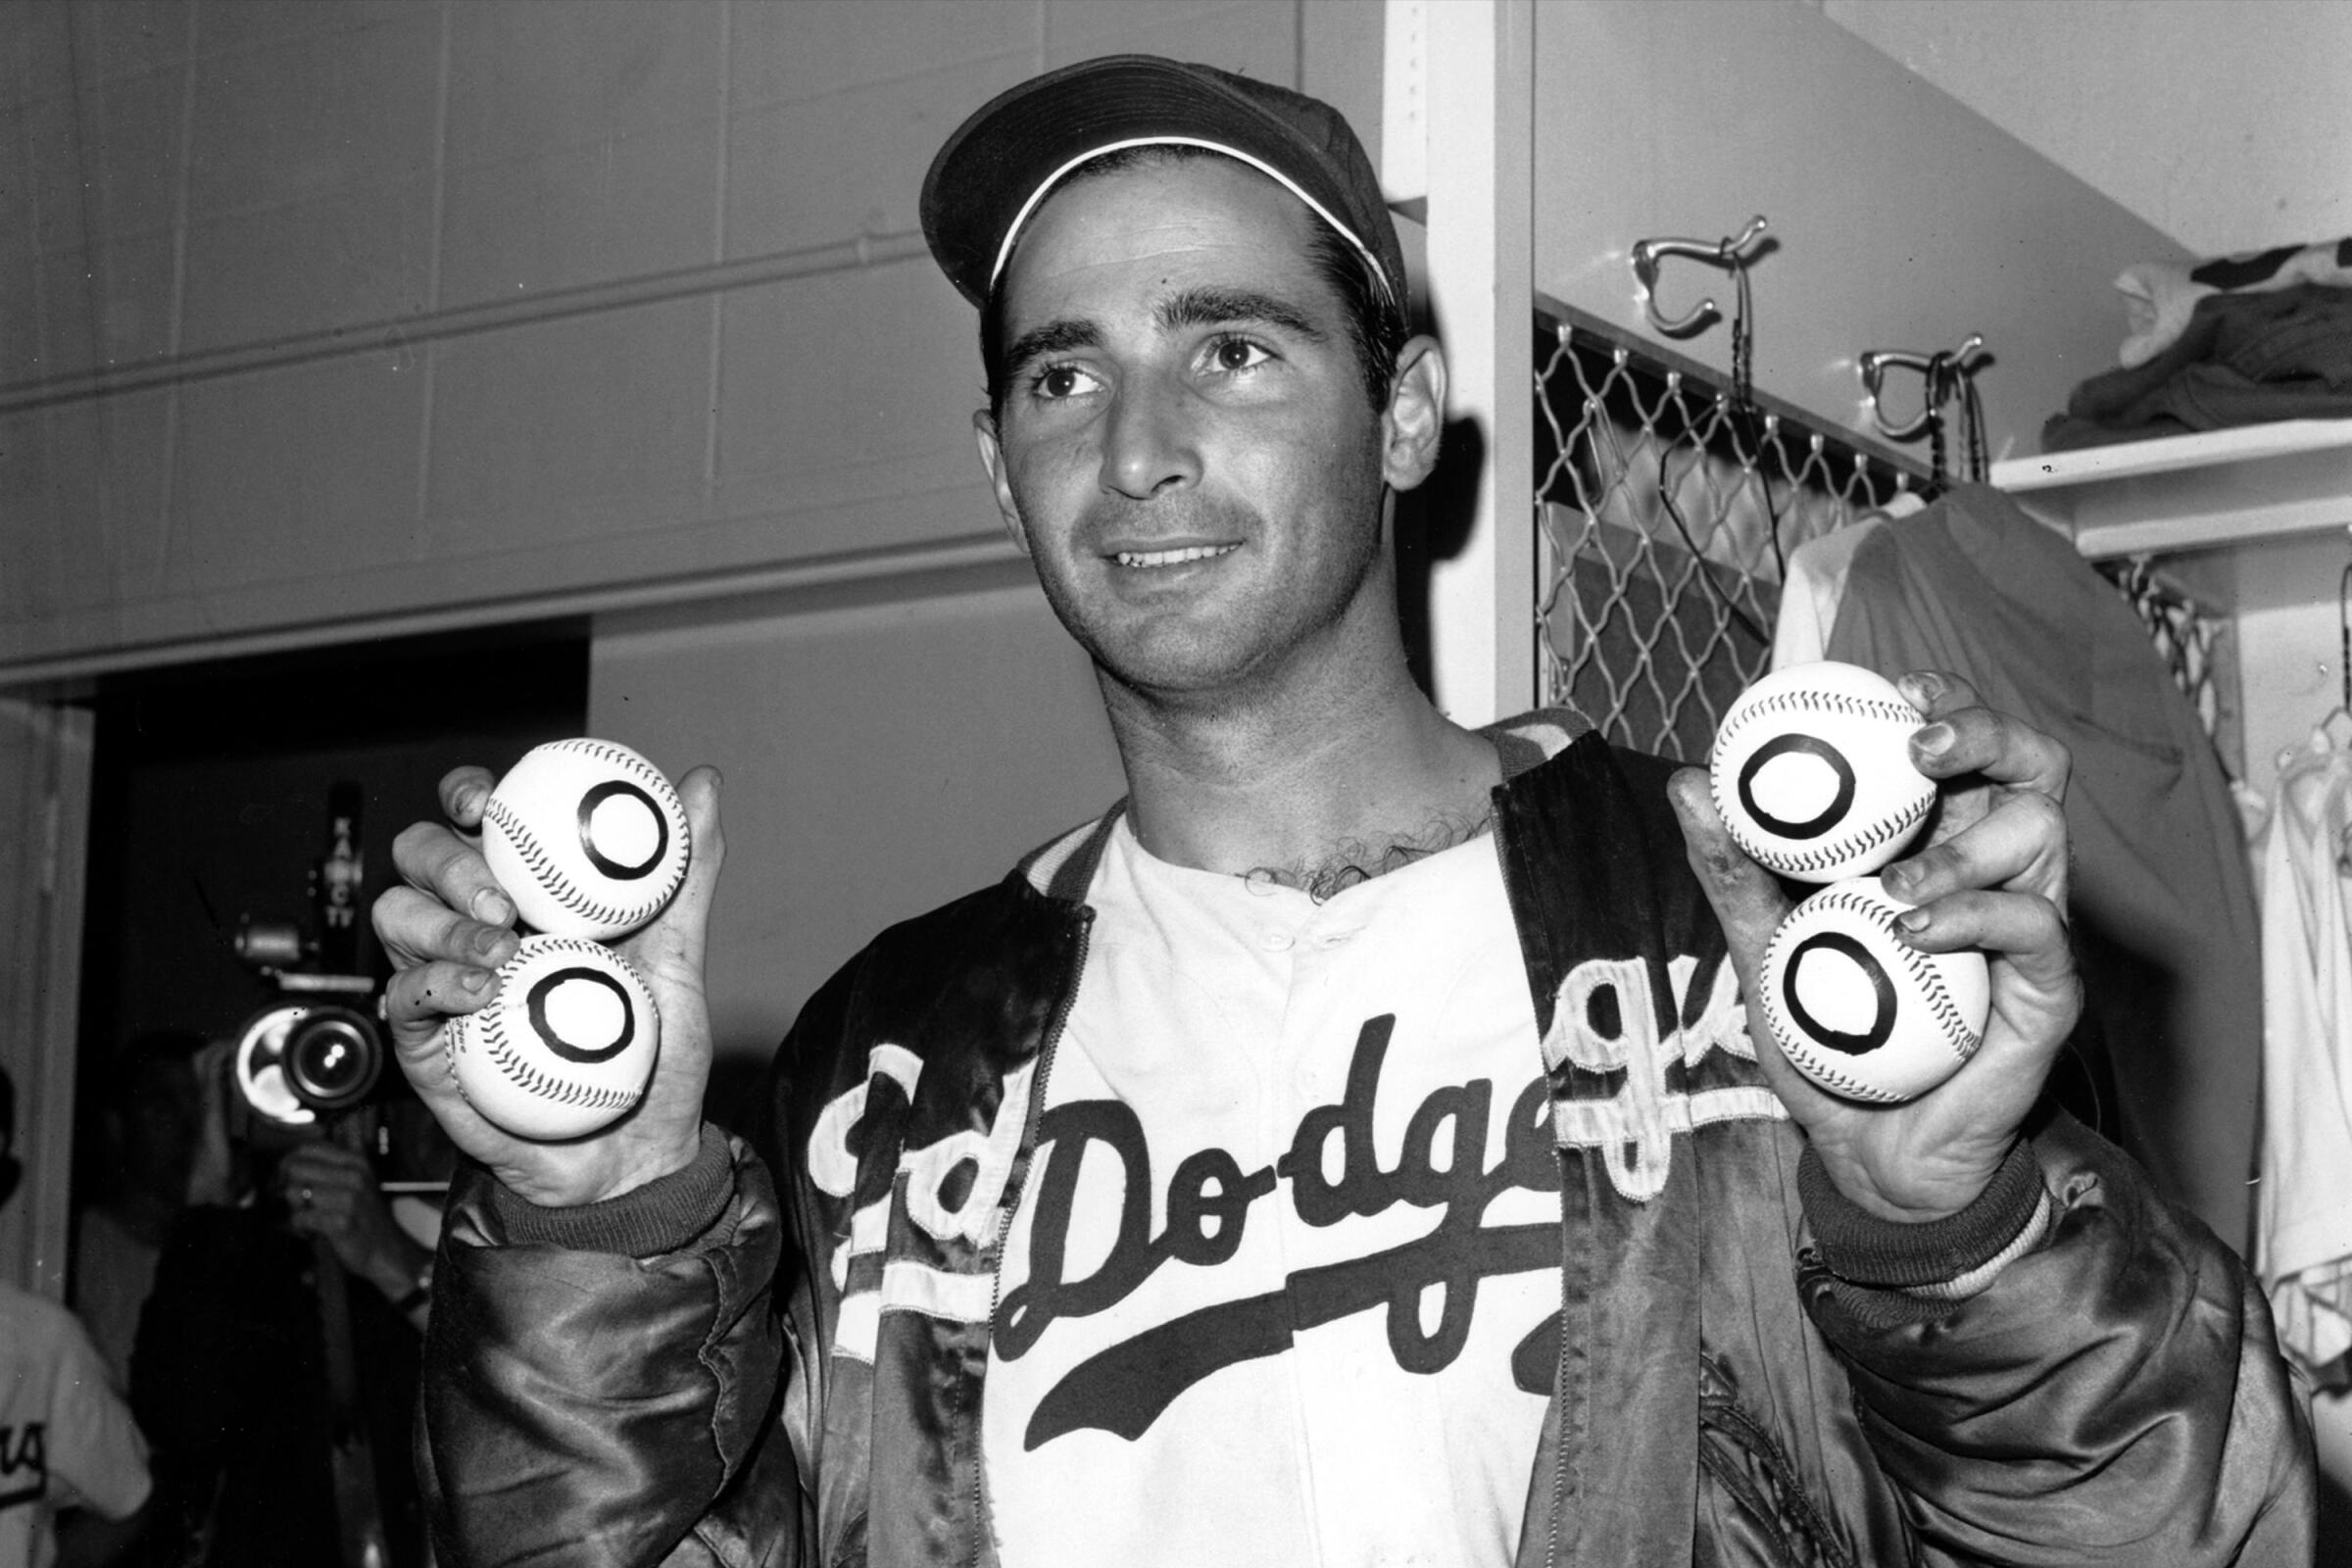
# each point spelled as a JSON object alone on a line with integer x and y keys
{"x": 386, "y": 384}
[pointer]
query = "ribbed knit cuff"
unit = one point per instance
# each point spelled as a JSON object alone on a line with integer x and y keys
{"x": 1930, "y": 1258}
{"x": 662, "y": 1216}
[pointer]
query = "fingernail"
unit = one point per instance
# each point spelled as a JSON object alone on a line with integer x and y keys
{"x": 1913, "y": 920}
{"x": 1899, "y": 879}
{"x": 1933, "y": 741}
{"x": 486, "y": 938}
{"x": 491, "y": 908}
{"x": 1922, "y": 686}
{"x": 474, "y": 979}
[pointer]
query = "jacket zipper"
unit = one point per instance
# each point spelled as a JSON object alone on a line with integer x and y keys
{"x": 1013, "y": 1202}
{"x": 1559, "y": 1381}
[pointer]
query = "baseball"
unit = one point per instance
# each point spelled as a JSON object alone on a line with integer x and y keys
{"x": 1861, "y": 1012}
{"x": 1812, "y": 772}
{"x": 565, "y": 1044}
{"x": 587, "y": 838}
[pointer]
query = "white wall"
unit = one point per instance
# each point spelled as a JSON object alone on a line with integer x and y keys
{"x": 879, "y": 759}
{"x": 2226, "y": 123}
{"x": 336, "y": 318}
{"x": 1903, "y": 220}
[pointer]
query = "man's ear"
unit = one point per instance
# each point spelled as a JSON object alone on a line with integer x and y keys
{"x": 992, "y": 457}
{"x": 1416, "y": 418}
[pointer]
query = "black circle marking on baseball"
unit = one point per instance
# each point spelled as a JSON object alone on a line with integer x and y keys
{"x": 1812, "y": 827}
{"x": 616, "y": 870}
{"x": 1882, "y": 1020}
{"x": 564, "y": 1048}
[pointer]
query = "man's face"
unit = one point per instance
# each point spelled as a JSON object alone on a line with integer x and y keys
{"x": 1185, "y": 448}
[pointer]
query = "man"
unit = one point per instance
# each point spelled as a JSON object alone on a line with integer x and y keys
{"x": 299, "y": 1276}
{"x": 73, "y": 1465}
{"x": 1351, "y": 1149}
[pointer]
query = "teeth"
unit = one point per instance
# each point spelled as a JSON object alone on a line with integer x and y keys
{"x": 1173, "y": 557}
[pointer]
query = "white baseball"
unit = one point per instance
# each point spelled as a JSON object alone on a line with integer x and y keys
{"x": 563, "y": 1047}
{"x": 1861, "y": 1012}
{"x": 1812, "y": 771}
{"x": 587, "y": 838}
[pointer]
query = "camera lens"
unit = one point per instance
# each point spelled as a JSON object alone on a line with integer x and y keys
{"x": 331, "y": 1058}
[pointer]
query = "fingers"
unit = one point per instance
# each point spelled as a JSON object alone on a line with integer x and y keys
{"x": 463, "y": 792}
{"x": 1964, "y": 736}
{"x": 431, "y": 857}
{"x": 1994, "y": 874}
{"x": 1748, "y": 899}
{"x": 699, "y": 791}
{"x": 2008, "y": 831}
{"x": 673, "y": 947}
{"x": 444, "y": 963}
{"x": 449, "y": 926}
{"x": 2019, "y": 844}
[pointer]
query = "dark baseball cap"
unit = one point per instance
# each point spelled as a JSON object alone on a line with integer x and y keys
{"x": 1001, "y": 163}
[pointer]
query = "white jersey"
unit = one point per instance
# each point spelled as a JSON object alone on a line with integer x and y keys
{"x": 67, "y": 1440}
{"x": 1283, "y": 1282}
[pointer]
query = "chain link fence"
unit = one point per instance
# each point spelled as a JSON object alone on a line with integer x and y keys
{"x": 1666, "y": 511}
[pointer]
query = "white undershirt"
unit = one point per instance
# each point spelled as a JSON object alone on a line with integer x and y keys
{"x": 1278, "y": 1425}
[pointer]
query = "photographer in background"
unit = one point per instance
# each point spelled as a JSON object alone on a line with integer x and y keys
{"x": 72, "y": 1466}
{"x": 331, "y": 1192}
{"x": 236, "y": 1372}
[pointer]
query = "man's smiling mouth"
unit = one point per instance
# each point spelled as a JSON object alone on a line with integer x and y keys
{"x": 1172, "y": 558}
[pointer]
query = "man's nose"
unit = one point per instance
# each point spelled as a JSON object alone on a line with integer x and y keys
{"x": 1149, "y": 440}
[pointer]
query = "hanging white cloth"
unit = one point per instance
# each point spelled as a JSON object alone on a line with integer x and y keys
{"x": 2303, "y": 1223}
{"x": 1816, "y": 582}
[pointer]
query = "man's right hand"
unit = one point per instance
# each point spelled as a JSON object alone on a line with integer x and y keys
{"x": 449, "y": 927}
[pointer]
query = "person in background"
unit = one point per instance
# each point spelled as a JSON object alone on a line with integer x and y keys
{"x": 234, "y": 1375}
{"x": 1351, "y": 1147}
{"x": 73, "y": 1465}
{"x": 153, "y": 1111}
{"x": 333, "y": 1192}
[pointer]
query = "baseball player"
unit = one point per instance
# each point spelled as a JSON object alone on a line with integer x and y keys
{"x": 1350, "y": 1148}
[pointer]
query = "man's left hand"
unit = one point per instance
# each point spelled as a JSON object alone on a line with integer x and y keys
{"x": 1993, "y": 876}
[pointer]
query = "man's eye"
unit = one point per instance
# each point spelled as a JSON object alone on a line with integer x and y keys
{"x": 1237, "y": 354}
{"x": 1062, "y": 382}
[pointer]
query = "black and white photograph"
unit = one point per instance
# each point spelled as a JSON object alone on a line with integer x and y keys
{"x": 706, "y": 705}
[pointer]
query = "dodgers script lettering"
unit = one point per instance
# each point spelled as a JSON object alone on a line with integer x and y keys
{"x": 1207, "y": 1204}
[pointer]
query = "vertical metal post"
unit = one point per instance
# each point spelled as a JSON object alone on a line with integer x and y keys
{"x": 46, "y": 751}
{"x": 1474, "y": 103}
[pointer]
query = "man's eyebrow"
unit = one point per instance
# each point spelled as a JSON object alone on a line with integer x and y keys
{"x": 1212, "y": 307}
{"x": 1055, "y": 337}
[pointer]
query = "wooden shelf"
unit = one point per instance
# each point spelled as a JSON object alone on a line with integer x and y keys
{"x": 2258, "y": 514}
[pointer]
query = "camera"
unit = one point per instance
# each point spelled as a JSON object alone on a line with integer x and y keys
{"x": 302, "y": 1064}
{"x": 298, "y": 1065}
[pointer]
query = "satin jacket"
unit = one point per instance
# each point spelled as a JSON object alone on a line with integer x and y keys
{"x": 727, "y": 1369}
